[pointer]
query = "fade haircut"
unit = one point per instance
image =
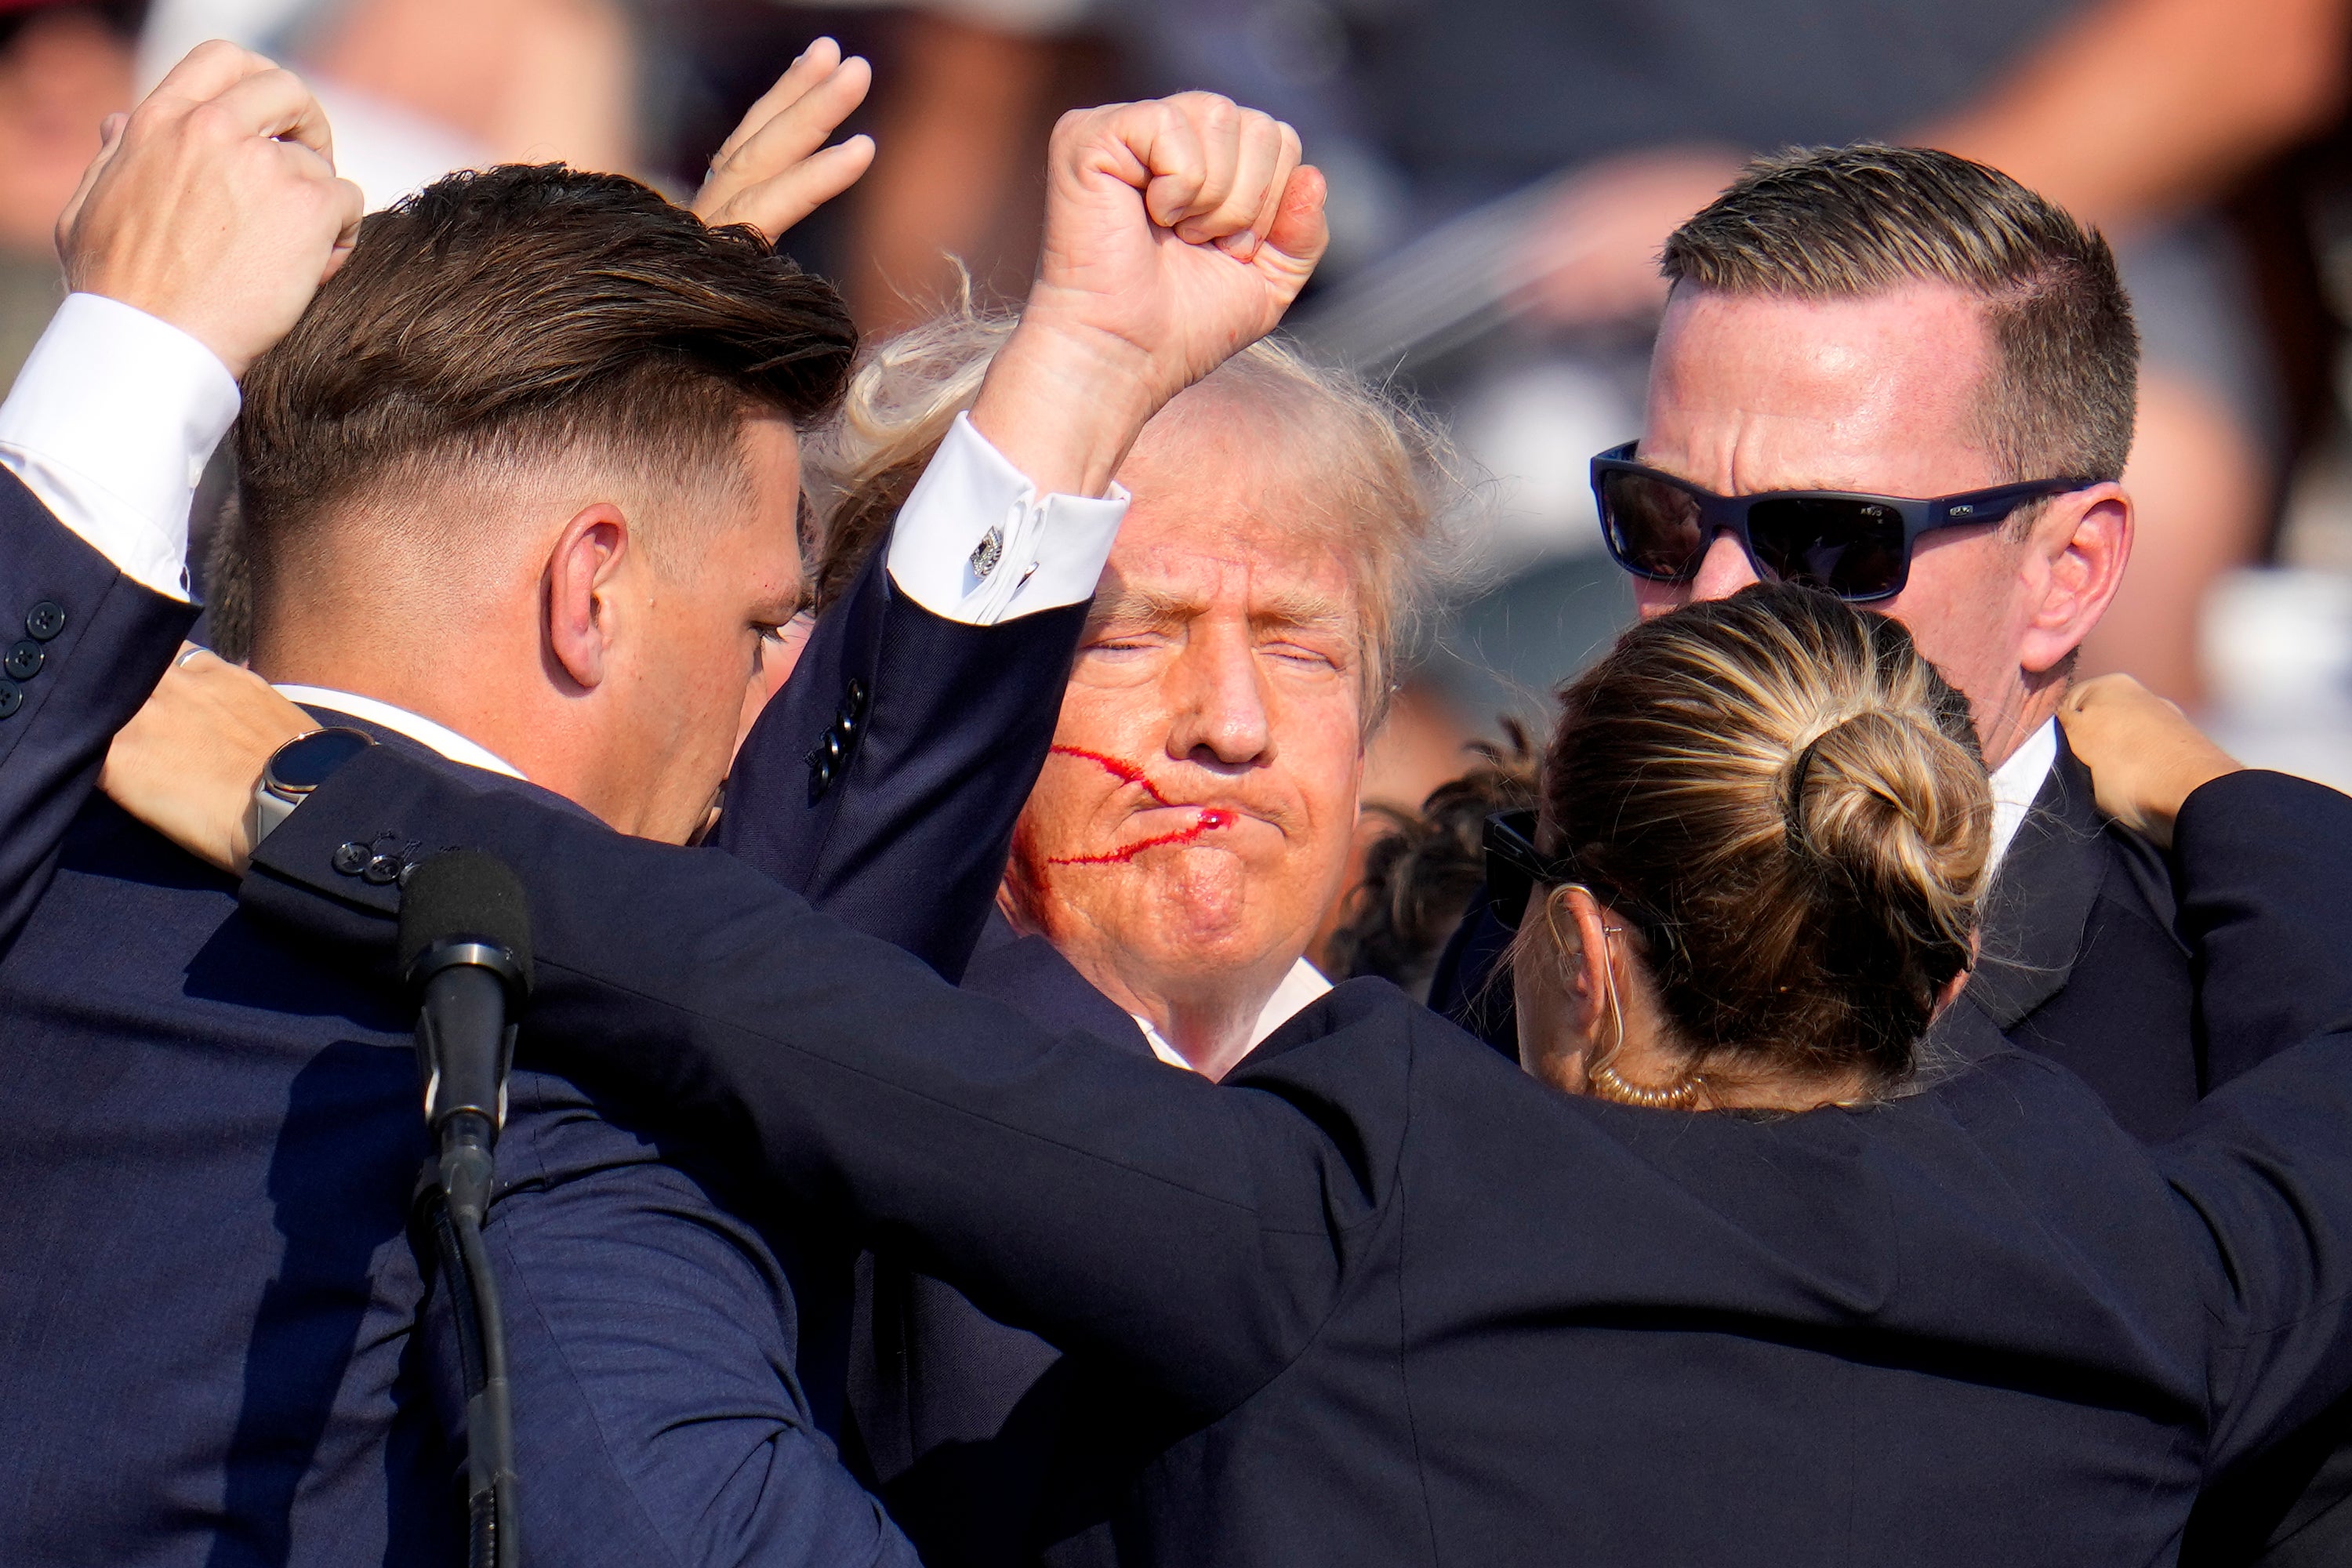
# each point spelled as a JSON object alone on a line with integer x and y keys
{"x": 1846, "y": 222}
{"x": 499, "y": 321}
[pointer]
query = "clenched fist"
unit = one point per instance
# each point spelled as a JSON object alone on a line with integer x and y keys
{"x": 214, "y": 205}
{"x": 1177, "y": 233}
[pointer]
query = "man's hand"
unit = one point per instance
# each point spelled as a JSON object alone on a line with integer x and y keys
{"x": 214, "y": 205}
{"x": 1177, "y": 233}
{"x": 775, "y": 169}
{"x": 186, "y": 764}
{"x": 2146, "y": 758}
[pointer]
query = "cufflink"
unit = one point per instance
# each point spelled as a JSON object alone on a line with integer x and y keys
{"x": 988, "y": 551}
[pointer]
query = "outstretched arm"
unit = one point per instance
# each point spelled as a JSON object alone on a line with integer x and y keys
{"x": 945, "y": 1128}
{"x": 2260, "y": 862}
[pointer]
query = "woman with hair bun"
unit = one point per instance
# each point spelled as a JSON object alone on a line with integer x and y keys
{"x": 1761, "y": 846}
{"x": 1821, "y": 1285}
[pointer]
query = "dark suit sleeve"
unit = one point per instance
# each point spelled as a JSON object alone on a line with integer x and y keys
{"x": 650, "y": 1352}
{"x": 883, "y": 781}
{"x": 1191, "y": 1233}
{"x": 2266, "y": 1162}
{"x": 81, "y": 646}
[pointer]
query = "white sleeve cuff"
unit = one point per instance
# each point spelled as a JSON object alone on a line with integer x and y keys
{"x": 974, "y": 543}
{"x": 111, "y": 424}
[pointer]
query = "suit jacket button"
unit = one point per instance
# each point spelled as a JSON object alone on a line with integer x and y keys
{"x": 352, "y": 858}
{"x": 384, "y": 870}
{"x": 857, "y": 695}
{"x": 12, "y": 696}
{"x": 44, "y": 620}
{"x": 832, "y": 748}
{"x": 24, "y": 660}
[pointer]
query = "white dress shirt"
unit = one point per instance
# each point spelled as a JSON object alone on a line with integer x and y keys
{"x": 111, "y": 424}
{"x": 2017, "y": 782}
{"x": 1303, "y": 984}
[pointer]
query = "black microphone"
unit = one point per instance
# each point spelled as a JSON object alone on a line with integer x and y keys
{"x": 464, "y": 943}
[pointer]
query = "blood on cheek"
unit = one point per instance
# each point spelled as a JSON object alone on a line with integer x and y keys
{"x": 1212, "y": 817}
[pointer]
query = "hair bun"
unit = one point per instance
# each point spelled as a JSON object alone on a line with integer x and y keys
{"x": 1892, "y": 805}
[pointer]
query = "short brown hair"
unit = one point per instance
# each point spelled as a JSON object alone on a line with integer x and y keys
{"x": 519, "y": 313}
{"x": 1824, "y": 223}
{"x": 1787, "y": 804}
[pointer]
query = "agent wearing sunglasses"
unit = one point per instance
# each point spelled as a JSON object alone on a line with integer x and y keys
{"x": 1902, "y": 378}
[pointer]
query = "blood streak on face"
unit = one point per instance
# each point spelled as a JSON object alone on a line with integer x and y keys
{"x": 1212, "y": 817}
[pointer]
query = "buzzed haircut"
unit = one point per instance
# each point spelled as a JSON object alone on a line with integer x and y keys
{"x": 516, "y": 315}
{"x": 1847, "y": 222}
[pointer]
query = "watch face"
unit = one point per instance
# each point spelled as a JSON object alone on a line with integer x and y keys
{"x": 305, "y": 762}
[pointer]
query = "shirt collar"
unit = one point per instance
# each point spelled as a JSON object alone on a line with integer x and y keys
{"x": 2016, "y": 784}
{"x": 400, "y": 721}
{"x": 1303, "y": 984}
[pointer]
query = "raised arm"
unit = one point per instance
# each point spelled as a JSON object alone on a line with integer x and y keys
{"x": 885, "y": 779}
{"x": 201, "y": 229}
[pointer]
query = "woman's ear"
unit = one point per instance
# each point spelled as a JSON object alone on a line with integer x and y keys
{"x": 579, "y": 600}
{"x": 1586, "y": 953}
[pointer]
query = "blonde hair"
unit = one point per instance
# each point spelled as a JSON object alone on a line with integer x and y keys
{"x": 1385, "y": 467}
{"x": 1787, "y": 802}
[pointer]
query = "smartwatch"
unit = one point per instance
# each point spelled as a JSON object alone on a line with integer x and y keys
{"x": 295, "y": 769}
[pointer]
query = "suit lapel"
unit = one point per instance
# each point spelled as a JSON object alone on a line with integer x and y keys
{"x": 2042, "y": 897}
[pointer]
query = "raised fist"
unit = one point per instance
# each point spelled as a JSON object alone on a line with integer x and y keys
{"x": 214, "y": 205}
{"x": 1177, "y": 233}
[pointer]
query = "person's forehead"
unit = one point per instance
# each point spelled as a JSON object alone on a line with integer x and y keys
{"x": 1881, "y": 393}
{"x": 1220, "y": 561}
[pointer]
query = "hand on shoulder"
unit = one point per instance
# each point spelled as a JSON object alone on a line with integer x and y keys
{"x": 2146, "y": 758}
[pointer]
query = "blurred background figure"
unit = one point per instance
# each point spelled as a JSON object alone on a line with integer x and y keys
{"x": 418, "y": 87}
{"x": 63, "y": 68}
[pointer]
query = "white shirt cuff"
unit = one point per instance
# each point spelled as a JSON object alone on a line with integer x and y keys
{"x": 975, "y": 543}
{"x": 111, "y": 424}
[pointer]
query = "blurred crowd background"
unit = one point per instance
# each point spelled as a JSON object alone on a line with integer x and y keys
{"x": 1502, "y": 173}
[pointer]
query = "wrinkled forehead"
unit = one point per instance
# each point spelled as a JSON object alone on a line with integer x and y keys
{"x": 1882, "y": 393}
{"x": 1230, "y": 563}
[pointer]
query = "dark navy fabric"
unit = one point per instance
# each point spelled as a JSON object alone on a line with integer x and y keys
{"x": 219, "y": 1346}
{"x": 976, "y": 1432}
{"x": 88, "y": 644}
{"x": 1380, "y": 1298}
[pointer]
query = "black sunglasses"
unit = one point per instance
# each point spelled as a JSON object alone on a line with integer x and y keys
{"x": 1515, "y": 868}
{"x": 1856, "y": 546}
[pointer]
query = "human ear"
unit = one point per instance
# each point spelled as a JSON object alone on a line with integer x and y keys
{"x": 1582, "y": 933}
{"x": 581, "y": 567}
{"x": 2078, "y": 550}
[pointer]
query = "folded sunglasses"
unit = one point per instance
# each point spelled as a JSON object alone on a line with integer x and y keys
{"x": 1856, "y": 546}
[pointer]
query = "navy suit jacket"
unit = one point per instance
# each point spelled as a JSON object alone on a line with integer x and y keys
{"x": 975, "y": 1431}
{"x": 1380, "y": 1298}
{"x": 221, "y": 1347}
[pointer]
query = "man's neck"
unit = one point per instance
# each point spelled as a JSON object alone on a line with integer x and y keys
{"x": 1208, "y": 1020}
{"x": 2030, "y": 706}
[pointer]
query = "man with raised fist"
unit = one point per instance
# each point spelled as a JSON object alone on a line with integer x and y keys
{"x": 520, "y": 491}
